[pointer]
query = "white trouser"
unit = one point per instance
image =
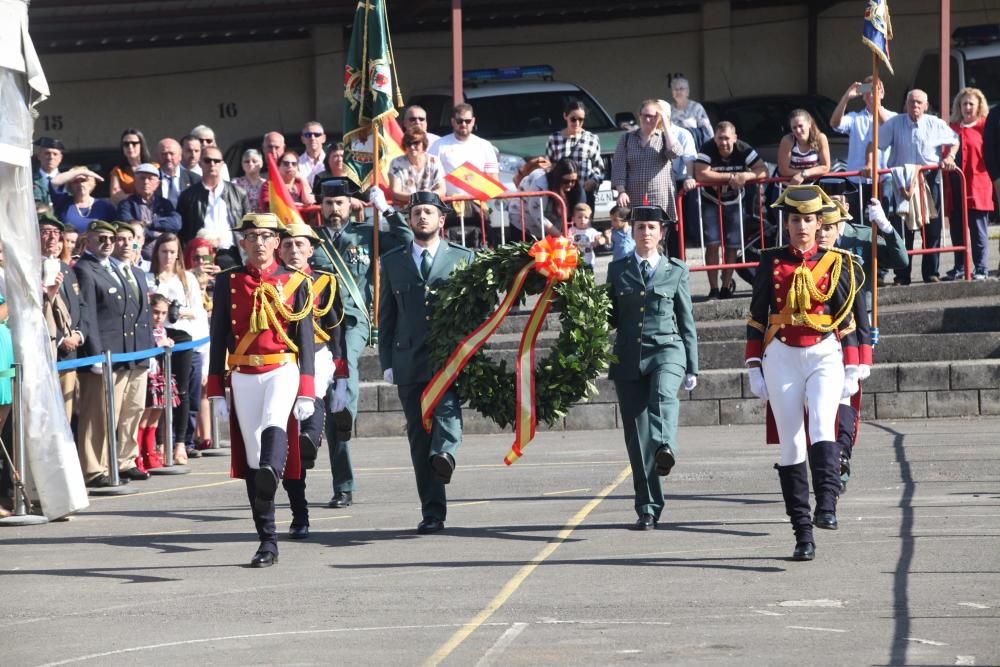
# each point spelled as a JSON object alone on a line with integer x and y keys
{"x": 323, "y": 371}
{"x": 262, "y": 400}
{"x": 800, "y": 379}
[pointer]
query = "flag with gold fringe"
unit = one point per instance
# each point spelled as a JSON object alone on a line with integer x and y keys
{"x": 370, "y": 88}
{"x": 877, "y": 31}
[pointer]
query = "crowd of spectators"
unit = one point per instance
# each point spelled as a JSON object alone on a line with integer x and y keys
{"x": 136, "y": 269}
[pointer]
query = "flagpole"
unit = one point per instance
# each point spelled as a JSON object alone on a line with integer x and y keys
{"x": 376, "y": 168}
{"x": 876, "y": 98}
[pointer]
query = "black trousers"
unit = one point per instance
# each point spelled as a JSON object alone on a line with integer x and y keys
{"x": 181, "y": 364}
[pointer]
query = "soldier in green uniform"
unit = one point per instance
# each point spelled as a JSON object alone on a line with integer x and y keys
{"x": 408, "y": 275}
{"x": 346, "y": 250}
{"x": 657, "y": 354}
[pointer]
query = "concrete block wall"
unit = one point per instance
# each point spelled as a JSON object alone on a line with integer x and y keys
{"x": 723, "y": 397}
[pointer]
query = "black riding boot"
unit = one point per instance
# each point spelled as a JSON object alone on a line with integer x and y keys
{"x": 273, "y": 452}
{"x": 795, "y": 491}
{"x": 296, "y": 490}
{"x": 824, "y": 460}
{"x": 846, "y": 418}
{"x": 263, "y": 521}
{"x": 311, "y": 434}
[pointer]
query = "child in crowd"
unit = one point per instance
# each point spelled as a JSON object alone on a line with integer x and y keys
{"x": 149, "y": 454}
{"x": 585, "y": 237}
{"x": 622, "y": 243}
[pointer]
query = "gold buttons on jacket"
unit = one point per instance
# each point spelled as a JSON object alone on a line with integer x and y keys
{"x": 778, "y": 299}
{"x": 783, "y": 339}
{"x": 233, "y": 306}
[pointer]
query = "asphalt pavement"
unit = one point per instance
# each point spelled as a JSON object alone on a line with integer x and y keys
{"x": 536, "y": 565}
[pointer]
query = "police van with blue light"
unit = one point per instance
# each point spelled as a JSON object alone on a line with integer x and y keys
{"x": 516, "y": 109}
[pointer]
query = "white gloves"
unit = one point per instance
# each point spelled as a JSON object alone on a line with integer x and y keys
{"x": 852, "y": 377}
{"x": 220, "y": 408}
{"x": 377, "y": 199}
{"x": 387, "y": 375}
{"x": 339, "y": 396}
{"x": 757, "y": 384}
{"x": 97, "y": 369}
{"x": 690, "y": 382}
{"x": 864, "y": 372}
{"x": 876, "y": 213}
{"x": 304, "y": 408}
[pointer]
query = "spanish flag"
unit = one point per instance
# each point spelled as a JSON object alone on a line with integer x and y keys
{"x": 279, "y": 200}
{"x": 475, "y": 182}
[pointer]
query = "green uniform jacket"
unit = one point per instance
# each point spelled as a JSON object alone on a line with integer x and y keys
{"x": 655, "y": 323}
{"x": 404, "y": 309}
{"x": 857, "y": 240}
{"x": 355, "y": 246}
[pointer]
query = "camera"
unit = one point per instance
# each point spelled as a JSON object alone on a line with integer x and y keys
{"x": 174, "y": 311}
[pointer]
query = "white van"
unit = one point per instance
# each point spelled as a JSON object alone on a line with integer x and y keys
{"x": 975, "y": 61}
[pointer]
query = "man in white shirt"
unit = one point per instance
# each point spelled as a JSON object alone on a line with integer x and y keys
{"x": 454, "y": 150}
{"x": 416, "y": 117}
{"x": 206, "y": 135}
{"x": 191, "y": 154}
{"x": 215, "y": 205}
{"x": 311, "y": 161}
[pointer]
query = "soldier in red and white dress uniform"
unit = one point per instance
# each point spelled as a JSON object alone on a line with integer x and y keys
{"x": 297, "y": 244}
{"x": 806, "y": 336}
{"x": 262, "y": 333}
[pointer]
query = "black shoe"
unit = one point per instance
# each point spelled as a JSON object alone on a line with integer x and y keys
{"x": 728, "y": 291}
{"x": 266, "y": 483}
{"x": 429, "y": 525}
{"x": 101, "y": 481}
{"x": 825, "y": 520}
{"x": 307, "y": 451}
{"x": 341, "y": 499}
{"x": 664, "y": 461}
{"x": 443, "y": 466}
{"x": 713, "y": 293}
{"x": 298, "y": 532}
{"x": 193, "y": 453}
{"x": 263, "y": 559}
{"x": 133, "y": 474}
{"x": 804, "y": 551}
{"x": 645, "y": 522}
{"x": 344, "y": 423}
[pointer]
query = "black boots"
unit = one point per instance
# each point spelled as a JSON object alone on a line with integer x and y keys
{"x": 310, "y": 434}
{"x": 263, "y": 521}
{"x": 847, "y": 418}
{"x": 795, "y": 491}
{"x": 824, "y": 461}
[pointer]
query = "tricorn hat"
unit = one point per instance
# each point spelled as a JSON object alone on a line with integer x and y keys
{"x": 338, "y": 187}
{"x": 834, "y": 213}
{"x": 648, "y": 214}
{"x": 802, "y": 199}
{"x": 426, "y": 197}
{"x": 253, "y": 221}
{"x": 299, "y": 229}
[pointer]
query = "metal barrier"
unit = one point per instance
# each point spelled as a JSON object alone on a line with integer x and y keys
{"x": 107, "y": 360}
{"x": 503, "y": 219}
{"x": 761, "y": 186}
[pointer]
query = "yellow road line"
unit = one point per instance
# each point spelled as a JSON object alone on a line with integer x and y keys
{"x": 515, "y": 582}
{"x": 314, "y": 519}
{"x": 556, "y": 493}
{"x": 471, "y": 502}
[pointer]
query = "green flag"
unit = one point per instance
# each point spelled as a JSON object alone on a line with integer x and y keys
{"x": 369, "y": 87}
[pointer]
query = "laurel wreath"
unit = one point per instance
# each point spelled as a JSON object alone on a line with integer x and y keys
{"x": 563, "y": 377}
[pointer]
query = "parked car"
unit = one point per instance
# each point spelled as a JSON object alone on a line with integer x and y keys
{"x": 762, "y": 121}
{"x": 975, "y": 61}
{"x": 516, "y": 110}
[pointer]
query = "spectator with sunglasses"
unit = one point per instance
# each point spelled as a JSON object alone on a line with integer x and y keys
{"x": 213, "y": 205}
{"x": 581, "y": 146}
{"x": 298, "y": 187}
{"x": 135, "y": 151}
{"x": 311, "y": 160}
{"x": 415, "y": 118}
{"x": 415, "y": 170}
{"x": 206, "y": 136}
{"x": 542, "y": 216}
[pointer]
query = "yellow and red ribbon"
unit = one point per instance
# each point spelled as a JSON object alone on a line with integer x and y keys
{"x": 554, "y": 258}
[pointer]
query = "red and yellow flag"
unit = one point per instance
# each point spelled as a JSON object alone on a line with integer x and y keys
{"x": 475, "y": 182}
{"x": 279, "y": 199}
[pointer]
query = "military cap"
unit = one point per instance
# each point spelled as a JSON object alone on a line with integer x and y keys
{"x": 123, "y": 226}
{"x": 47, "y": 218}
{"x": 49, "y": 142}
{"x": 102, "y": 226}
{"x": 802, "y": 199}
{"x": 648, "y": 214}
{"x": 253, "y": 221}
{"x": 299, "y": 229}
{"x": 422, "y": 197}
{"x": 338, "y": 187}
{"x": 834, "y": 213}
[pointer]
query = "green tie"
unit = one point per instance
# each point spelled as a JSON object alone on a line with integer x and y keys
{"x": 644, "y": 267}
{"x": 130, "y": 279}
{"x": 425, "y": 264}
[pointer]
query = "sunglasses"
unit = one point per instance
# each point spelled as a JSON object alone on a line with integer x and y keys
{"x": 131, "y": 143}
{"x": 420, "y": 119}
{"x": 313, "y": 135}
{"x": 576, "y": 119}
{"x": 412, "y": 144}
{"x": 648, "y": 116}
{"x": 289, "y": 163}
{"x": 253, "y": 237}
{"x": 569, "y": 181}
{"x": 211, "y": 160}
{"x": 203, "y": 258}
{"x": 464, "y": 121}
{"x": 105, "y": 238}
